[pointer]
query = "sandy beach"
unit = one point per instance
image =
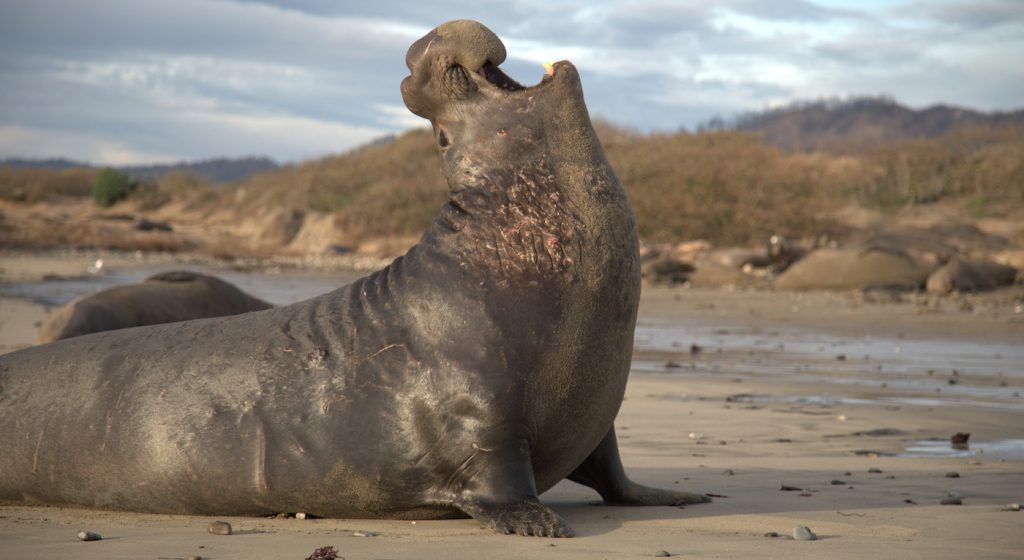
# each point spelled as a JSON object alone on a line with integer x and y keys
{"x": 849, "y": 398}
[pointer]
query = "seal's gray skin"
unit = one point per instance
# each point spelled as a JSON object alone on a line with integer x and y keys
{"x": 472, "y": 374}
{"x": 970, "y": 276}
{"x": 853, "y": 269}
{"x": 167, "y": 297}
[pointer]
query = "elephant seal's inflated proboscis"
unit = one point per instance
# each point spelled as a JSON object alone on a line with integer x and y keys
{"x": 472, "y": 374}
{"x": 166, "y": 297}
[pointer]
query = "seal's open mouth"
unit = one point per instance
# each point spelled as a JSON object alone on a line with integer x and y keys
{"x": 495, "y": 76}
{"x": 459, "y": 59}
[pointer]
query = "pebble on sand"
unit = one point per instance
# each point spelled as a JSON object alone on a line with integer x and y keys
{"x": 875, "y": 470}
{"x": 89, "y": 536}
{"x": 952, "y": 474}
{"x": 837, "y": 482}
{"x": 662, "y": 554}
{"x": 951, "y": 501}
{"x": 219, "y": 528}
{"x": 1011, "y": 507}
{"x": 802, "y": 533}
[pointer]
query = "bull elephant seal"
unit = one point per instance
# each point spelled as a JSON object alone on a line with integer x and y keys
{"x": 166, "y": 297}
{"x": 470, "y": 375}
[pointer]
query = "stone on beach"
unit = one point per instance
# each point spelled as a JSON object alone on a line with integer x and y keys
{"x": 802, "y": 533}
{"x": 219, "y": 528}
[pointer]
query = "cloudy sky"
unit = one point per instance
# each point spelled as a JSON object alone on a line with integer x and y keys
{"x": 141, "y": 81}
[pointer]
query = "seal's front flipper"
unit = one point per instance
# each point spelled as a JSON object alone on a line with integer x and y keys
{"x": 603, "y": 471}
{"x": 501, "y": 494}
{"x": 523, "y": 517}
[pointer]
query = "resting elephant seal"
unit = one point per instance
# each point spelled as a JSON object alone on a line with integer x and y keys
{"x": 470, "y": 375}
{"x": 855, "y": 269}
{"x": 970, "y": 276}
{"x": 167, "y": 297}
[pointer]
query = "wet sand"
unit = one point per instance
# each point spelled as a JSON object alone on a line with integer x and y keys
{"x": 794, "y": 416}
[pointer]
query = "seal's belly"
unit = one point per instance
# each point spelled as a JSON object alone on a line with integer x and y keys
{"x": 579, "y": 399}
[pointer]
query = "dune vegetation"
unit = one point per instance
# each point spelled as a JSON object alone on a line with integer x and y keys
{"x": 727, "y": 187}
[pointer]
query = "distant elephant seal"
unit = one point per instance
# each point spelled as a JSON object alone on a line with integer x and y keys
{"x": 970, "y": 276}
{"x": 472, "y": 374}
{"x": 852, "y": 269}
{"x": 167, "y": 297}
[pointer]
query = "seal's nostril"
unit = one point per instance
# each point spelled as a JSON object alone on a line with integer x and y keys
{"x": 442, "y": 139}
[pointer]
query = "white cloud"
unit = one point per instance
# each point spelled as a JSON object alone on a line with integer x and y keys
{"x": 172, "y": 79}
{"x": 42, "y": 143}
{"x": 399, "y": 116}
{"x": 198, "y": 134}
{"x": 747, "y": 69}
{"x": 291, "y": 138}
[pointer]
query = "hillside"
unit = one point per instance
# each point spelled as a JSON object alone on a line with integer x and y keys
{"x": 850, "y": 126}
{"x": 220, "y": 170}
{"x": 726, "y": 187}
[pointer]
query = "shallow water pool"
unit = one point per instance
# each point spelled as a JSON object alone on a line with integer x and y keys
{"x": 998, "y": 449}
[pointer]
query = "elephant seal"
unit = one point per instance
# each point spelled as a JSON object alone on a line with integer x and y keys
{"x": 853, "y": 269}
{"x": 470, "y": 375}
{"x": 970, "y": 276}
{"x": 166, "y": 297}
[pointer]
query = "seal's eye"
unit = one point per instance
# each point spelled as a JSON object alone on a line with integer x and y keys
{"x": 442, "y": 139}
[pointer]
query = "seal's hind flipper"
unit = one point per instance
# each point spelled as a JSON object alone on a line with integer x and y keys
{"x": 602, "y": 470}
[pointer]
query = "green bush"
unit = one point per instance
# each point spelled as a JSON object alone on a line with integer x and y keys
{"x": 112, "y": 185}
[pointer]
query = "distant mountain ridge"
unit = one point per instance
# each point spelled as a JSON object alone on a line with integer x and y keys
{"x": 838, "y": 126}
{"x": 219, "y": 170}
{"x": 856, "y": 124}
